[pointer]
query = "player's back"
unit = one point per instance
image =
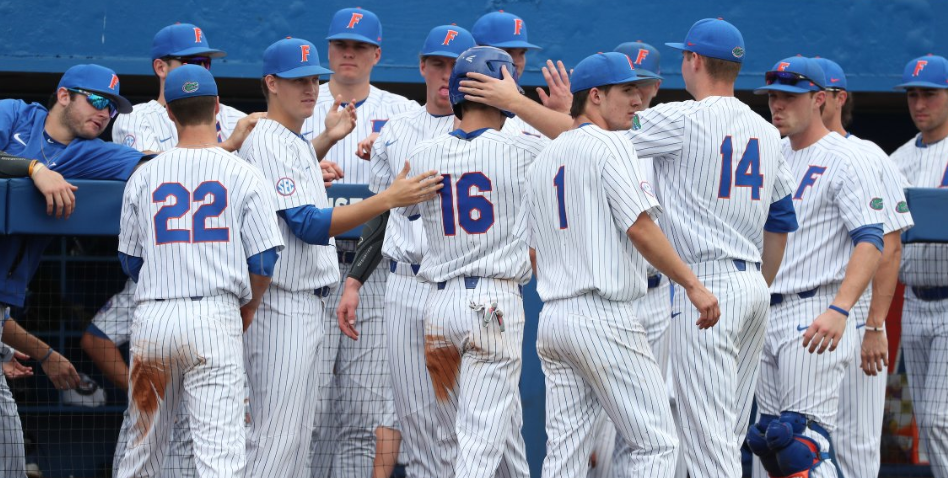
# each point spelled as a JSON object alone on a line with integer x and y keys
{"x": 197, "y": 215}
{"x": 718, "y": 168}
{"x": 149, "y": 128}
{"x": 581, "y": 243}
{"x": 372, "y": 114}
{"x": 470, "y": 225}
{"x": 838, "y": 191}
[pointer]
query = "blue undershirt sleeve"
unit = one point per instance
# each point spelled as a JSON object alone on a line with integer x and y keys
{"x": 309, "y": 223}
{"x": 262, "y": 263}
{"x": 871, "y": 233}
{"x": 782, "y": 217}
{"x": 131, "y": 265}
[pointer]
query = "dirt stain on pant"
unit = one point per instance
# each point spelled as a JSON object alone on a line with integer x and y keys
{"x": 148, "y": 381}
{"x": 444, "y": 364}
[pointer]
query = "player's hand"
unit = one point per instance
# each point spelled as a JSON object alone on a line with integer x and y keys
{"x": 331, "y": 172}
{"x": 825, "y": 332}
{"x": 491, "y": 91}
{"x": 247, "y": 313}
{"x": 875, "y": 353}
{"x": 346, "y": 313}
{"x": 593, "y": 460}
{"x": 707, "y": 304}
{"x": 13, "y": 369}
{"x": 340, "y": 121}
{"x": 59, "y": 193}
{"x": 61, "y": 372}
{"x": 557, "y": 79}
{"x": 244, "y": 126}
{"x": 364, "y": 150}
{"x": 406, "y": 191}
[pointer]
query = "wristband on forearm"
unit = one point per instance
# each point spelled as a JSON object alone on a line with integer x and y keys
{"x": 840, "y": 310}
{"x": 15, "y": 166}
{"x": 46, "y": 357}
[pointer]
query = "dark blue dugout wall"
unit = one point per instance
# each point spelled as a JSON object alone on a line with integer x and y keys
{"x": 871, "y": 39}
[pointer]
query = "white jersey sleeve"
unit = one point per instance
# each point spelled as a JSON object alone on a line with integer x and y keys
{"x": 897, "y": 217}
{"x": 114, "y": 318}
{"x": 286, "y": 171}
{"x": 658, "y": 131}
{"x": 146, "y": 128}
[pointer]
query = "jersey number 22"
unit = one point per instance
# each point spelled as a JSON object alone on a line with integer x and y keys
{"x": 182, "y": 204}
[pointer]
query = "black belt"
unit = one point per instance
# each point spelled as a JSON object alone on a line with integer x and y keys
{"x": 322, "y": 291}
{"x": 742, "y": 264}
{"x": 195, "y": 298}
{"x": 414, "y": 267}
{"x": 346, "y": 257}
{"x": 778, "y": 298}
{"x": 930, "y": 294}
{"x": 470, "y": 282}
{"x": 654, "y": 281}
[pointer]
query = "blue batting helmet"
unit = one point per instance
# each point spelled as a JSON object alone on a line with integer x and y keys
{"x": 480, "y": 59}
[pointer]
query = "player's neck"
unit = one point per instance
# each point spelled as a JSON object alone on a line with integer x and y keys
{"x": 480, "y": 119}
{"x": 589, "y": 117}
{"x": 161, "y": 93}
{"x": 278, "y": 114}
{"x": 809, "y": 136}
{"x": 349, "y": 92}
{"x": 836, "y": 126}
{"x": 707, "y": 88}
{"x": 935, "y": 135}
{"x": 55, "y": 128}
{"x": 198, "y": 136}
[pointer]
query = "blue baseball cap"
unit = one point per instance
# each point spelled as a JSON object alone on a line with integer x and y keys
{"x": 714, "y": 38}
{"x": 189, "y": 81}
{"x": 797, "y": 74}
{"x": 182, "y": 39}
{"x": 292, "y": 58}
{"x": 447, "y": 41}
{"x": 644, "y": 56}
{"x": 929, "y": 71}
{"x": 502, "y": 30}
{"x": 835, "y": 77}
{"x": 96, "y": 79}
{"x": 356, "y": 24}
{"x": 602, "y": 69}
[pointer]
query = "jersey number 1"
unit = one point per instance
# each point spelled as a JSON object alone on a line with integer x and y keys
{"x": 182, "y": 204}
{"x": 747, "y": 172}
{"x": 475, "y": 213}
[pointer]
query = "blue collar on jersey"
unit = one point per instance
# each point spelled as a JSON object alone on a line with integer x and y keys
{"x": 358, "y": 103}
{"x": 919, "y": 143}
{"x": 584, "y": 124}
{"x": 459, "y": 133}
{"x": 440, "y": 116}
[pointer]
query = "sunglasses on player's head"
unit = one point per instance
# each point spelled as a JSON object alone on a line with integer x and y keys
{"x": 204, "y": 61}
{"x": 98, "y": 102}
{"x": 788, "y": 78}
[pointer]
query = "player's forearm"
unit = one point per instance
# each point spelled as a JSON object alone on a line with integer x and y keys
{"x": 15, "y": 166}
{"x": 348, "y": 217}
{"x": 322, "y": 144}
{"x": 655, "y": 248}
{"x": 885, "y": 280}
{"x": 258, "y": 286}
{"x": 774, "y": 246}
{"x": 533, "y": 260}
{"x": 862, "y": 266}
{"x": 550, "y": 123}
{"x": 369, "y": 252}
{"x": 18, "y": 338}
{"x": 107, "y": 357}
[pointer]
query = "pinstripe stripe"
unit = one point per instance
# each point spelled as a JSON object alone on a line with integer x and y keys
{"x": 148, "y": 127}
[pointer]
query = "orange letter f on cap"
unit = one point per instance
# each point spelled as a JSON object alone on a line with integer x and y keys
{"x": 641, "y": 56}
{"x": 449, "y": 37}
{"x": 518, "y": 25}
{"x": 304, "y": 53}
{"x": 356, "y": 17}
{"x": 197, "y": 35}
{"x": 919, "y": 67}
{"x": 782, "y": 66}
{"x": 114, "y": 82}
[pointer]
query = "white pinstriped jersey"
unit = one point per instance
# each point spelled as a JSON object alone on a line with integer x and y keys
{"x": 647, "y": 166}
{"x": 114, "y": 319}
{"x": 195, "y": 216}
{"x": 516, "y": 125}
{"x": 404, "y": 240}
{"x": 718, "y": 168}
{"x": 897, "y": 215}
{"x": 924, "y": 166}
{"x": 470, "y": 225}
{"x": 584, "y": 191}
{"x": 148, "y": 127}
{"x": 378, "y": 107}
{"x": 292, "y": 172}
{"x": 838, "y": 190}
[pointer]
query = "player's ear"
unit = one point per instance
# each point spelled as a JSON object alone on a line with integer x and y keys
{"x": 160, "y": 68}
{"x": 378, "y": 55}
{"x": 62, "y": 96}
{"x": 421, "y": 65}
{"x": 271, "y": 83}
{"x": 217, "y": 105}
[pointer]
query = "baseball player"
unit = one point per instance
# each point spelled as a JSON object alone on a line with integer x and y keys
{"x": 828, "y": 264}
{"x": 587, "y": 183}
{"x": 199, "y": 208}
{"x": 474, "y": 311}
{"x": 354, "y": 383}
{"x": 924, "y": 268}
{"x": 289, "y": 329}
{"x": 46, "y": 145}
{"x": 862, "y": 392}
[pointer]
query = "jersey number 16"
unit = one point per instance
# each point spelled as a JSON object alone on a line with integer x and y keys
{"x": 461, "y": 205}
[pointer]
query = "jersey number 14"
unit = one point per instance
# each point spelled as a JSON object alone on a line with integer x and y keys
{"x": 199, "y": 231}
{"x": 746, "y": 175}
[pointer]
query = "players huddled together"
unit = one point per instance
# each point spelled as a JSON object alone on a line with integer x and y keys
{"x": 781, "y": 241}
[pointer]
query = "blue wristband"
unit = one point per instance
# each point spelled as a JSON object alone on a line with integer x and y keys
{"x": 840, "y": 310}
{"x": 46, "y": 357}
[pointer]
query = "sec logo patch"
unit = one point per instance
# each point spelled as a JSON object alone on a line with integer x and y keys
{"x": 647, "y": 188}
{"x": 285, "y": 186}
{"x": 129, "y": 140}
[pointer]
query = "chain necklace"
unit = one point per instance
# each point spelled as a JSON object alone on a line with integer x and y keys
{"x": 49, "y": 161}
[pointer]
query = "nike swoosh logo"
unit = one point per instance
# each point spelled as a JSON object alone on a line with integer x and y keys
{"x": 675, "y": 314}
{"x": 18, "y": 140}
{"x": 801, "y": 328}
{"x": 163, "y": 140}
{"x": 859, "y": 326}
{"x": 389, "y": 143}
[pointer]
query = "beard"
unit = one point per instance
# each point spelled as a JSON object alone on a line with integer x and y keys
{"x": 72, "y": 120}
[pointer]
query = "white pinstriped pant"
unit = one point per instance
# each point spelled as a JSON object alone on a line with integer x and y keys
{"x": 187, "y": 351}
{"x": 925, "y": 345}
{"x": 179, "y": 458}
{"x": 475, "y": 374}
{"x": 596, "y": 356}
{"x": 793, "y": 379}
{"x": 858, "y": 435}
{"x": 714, "y": 371}
{"x": 12, "y": 452}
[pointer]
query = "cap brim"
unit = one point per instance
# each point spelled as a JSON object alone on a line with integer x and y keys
{"x": 647, "y": 75}
{"x": 198, "y": 51}
{"x": 122, "y": 105}
{"x": 920, "y": 84}
{"x": 303, "y": 71}
{"x": 515, "y": 44}
{"x": 784, "y": 88}
{"x": 445, "y": 54}
{"x": 678, "y": 46}
{"x": 353, "y": 36}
